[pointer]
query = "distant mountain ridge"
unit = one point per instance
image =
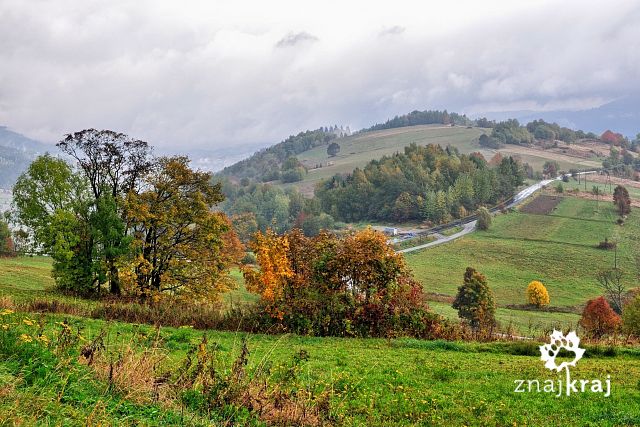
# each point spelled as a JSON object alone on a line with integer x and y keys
{"x": 621, "y": 115}
{"x": 16, "y": 153}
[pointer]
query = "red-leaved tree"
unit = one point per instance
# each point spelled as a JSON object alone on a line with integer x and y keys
{"x": 611, "y": 137}
{"x": 598, "y": 318}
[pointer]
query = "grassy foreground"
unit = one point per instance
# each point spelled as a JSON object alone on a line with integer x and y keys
{"x": 369, "y": 382}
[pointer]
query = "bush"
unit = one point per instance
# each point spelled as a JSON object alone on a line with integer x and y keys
{"x": 598, "y": 318}
{"x": 309, "y": 286}
{"x": 631, "y": 317}
{"x": 606, "y": 244}
{"x": 293, "y": 175}
{"x": 249, "y": 258}
{"x": 559, "y": 188}
{"x": 537, "y": 294}
{"x": 484, "y": 218}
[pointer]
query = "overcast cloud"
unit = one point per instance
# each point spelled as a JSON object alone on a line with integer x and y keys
{"x": 220, "y": 74}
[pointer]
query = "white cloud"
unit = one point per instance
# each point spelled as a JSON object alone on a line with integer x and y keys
{"x": 211, "y": 74}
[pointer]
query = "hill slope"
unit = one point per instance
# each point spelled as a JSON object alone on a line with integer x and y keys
{"x": 357, "y": 150}
{"x": 16, "y": 152}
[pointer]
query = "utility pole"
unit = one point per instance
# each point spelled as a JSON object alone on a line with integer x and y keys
{"x": 585, "y": 182}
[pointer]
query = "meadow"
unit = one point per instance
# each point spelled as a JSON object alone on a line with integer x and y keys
{"x": 368, "y": 382}
{"x": 372, "y": 382}
{"x": 558, "y": 249}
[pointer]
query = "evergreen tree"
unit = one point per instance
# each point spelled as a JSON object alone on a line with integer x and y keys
{"x": 475, "y": 302}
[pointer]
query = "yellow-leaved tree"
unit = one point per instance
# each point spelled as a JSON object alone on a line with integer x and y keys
{"x": 272, "y": 255}
{"x": 181, "y": 245}
{"x": 537, "y": 294}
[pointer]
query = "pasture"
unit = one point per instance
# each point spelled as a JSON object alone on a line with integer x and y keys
{"x": 558, "y": 248}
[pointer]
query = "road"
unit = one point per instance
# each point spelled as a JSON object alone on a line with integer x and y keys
{"x": 470, "y": 227}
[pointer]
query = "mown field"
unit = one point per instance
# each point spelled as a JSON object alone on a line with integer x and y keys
{"x": 558, "y": 248}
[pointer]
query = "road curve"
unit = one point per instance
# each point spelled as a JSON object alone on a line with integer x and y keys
{"x": 471, "y": 226}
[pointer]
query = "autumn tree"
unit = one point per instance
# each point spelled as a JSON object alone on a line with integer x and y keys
{"x": 179, "y": 241}
{"x": 537, "y": 294}
{"x": 631, "y": 317}
{"x": 621, "y": 200}
{"x": 598, "y": 318}
{"x": 474, "y": 301}
{"x": 272, "y": 253}
{"x": 330, "y": 285}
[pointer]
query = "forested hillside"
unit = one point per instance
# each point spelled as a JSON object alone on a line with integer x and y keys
{"x": 270, "y": 164}
{"x": 429, "y": 183}
{"x": 427, "y": 117}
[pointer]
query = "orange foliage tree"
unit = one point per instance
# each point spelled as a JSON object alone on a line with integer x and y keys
{"x": 598, "y": 318}
{"x": 329, "y": 285}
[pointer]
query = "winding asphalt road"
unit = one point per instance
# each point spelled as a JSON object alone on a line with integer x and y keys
{"x": 471, "y": 226}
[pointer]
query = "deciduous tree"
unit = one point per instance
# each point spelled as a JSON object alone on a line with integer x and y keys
{"x": 621, "y": 200}
{"x": 537, "y": 294}
{"x": 598, "y": 318}
{"x": 484, "y": 218}
{"x": 333, "y": 149}
{"x": 179, "y": 240}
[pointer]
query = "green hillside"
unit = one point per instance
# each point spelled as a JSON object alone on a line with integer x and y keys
{"x": 558, "y": 248}
{"x": 357, "y": 150}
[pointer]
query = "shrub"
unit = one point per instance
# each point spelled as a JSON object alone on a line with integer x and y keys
{"x": 327, "y": 285}
{"x": 293, "y": 175}
{"x": 598, "y": 318}
{"x": 559, "y": 188}
{"x": 484, "y": 218}
{"x": 606, "y": 244}
{"x": 537, "y": 294}
{"x": 631, "y": 317}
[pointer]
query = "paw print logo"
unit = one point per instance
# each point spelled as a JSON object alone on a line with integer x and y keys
{"x": 558, "y": 341}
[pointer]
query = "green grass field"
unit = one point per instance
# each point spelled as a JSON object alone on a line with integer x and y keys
{"x": 558, "y": 249}
{"x": 371, "y": 382}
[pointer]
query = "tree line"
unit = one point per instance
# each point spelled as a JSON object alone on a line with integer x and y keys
{"x": 426, "y": 117}
{"x": 115, "y": 218}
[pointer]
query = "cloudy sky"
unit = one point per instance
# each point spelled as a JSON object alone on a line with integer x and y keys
{"x": 218, "y": 74}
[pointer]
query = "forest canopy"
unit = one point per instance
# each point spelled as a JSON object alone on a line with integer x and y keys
{"x": 424, "y": 182}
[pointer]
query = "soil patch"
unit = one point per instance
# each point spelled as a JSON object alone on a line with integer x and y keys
{"x": 544, "y": 204}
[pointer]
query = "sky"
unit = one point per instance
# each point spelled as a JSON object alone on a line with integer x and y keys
{"x": 225, "y": 75}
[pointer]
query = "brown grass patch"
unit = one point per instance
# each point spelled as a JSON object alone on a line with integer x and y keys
{"x": 542, "y": 205}
{"x": 7, "y": 302}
